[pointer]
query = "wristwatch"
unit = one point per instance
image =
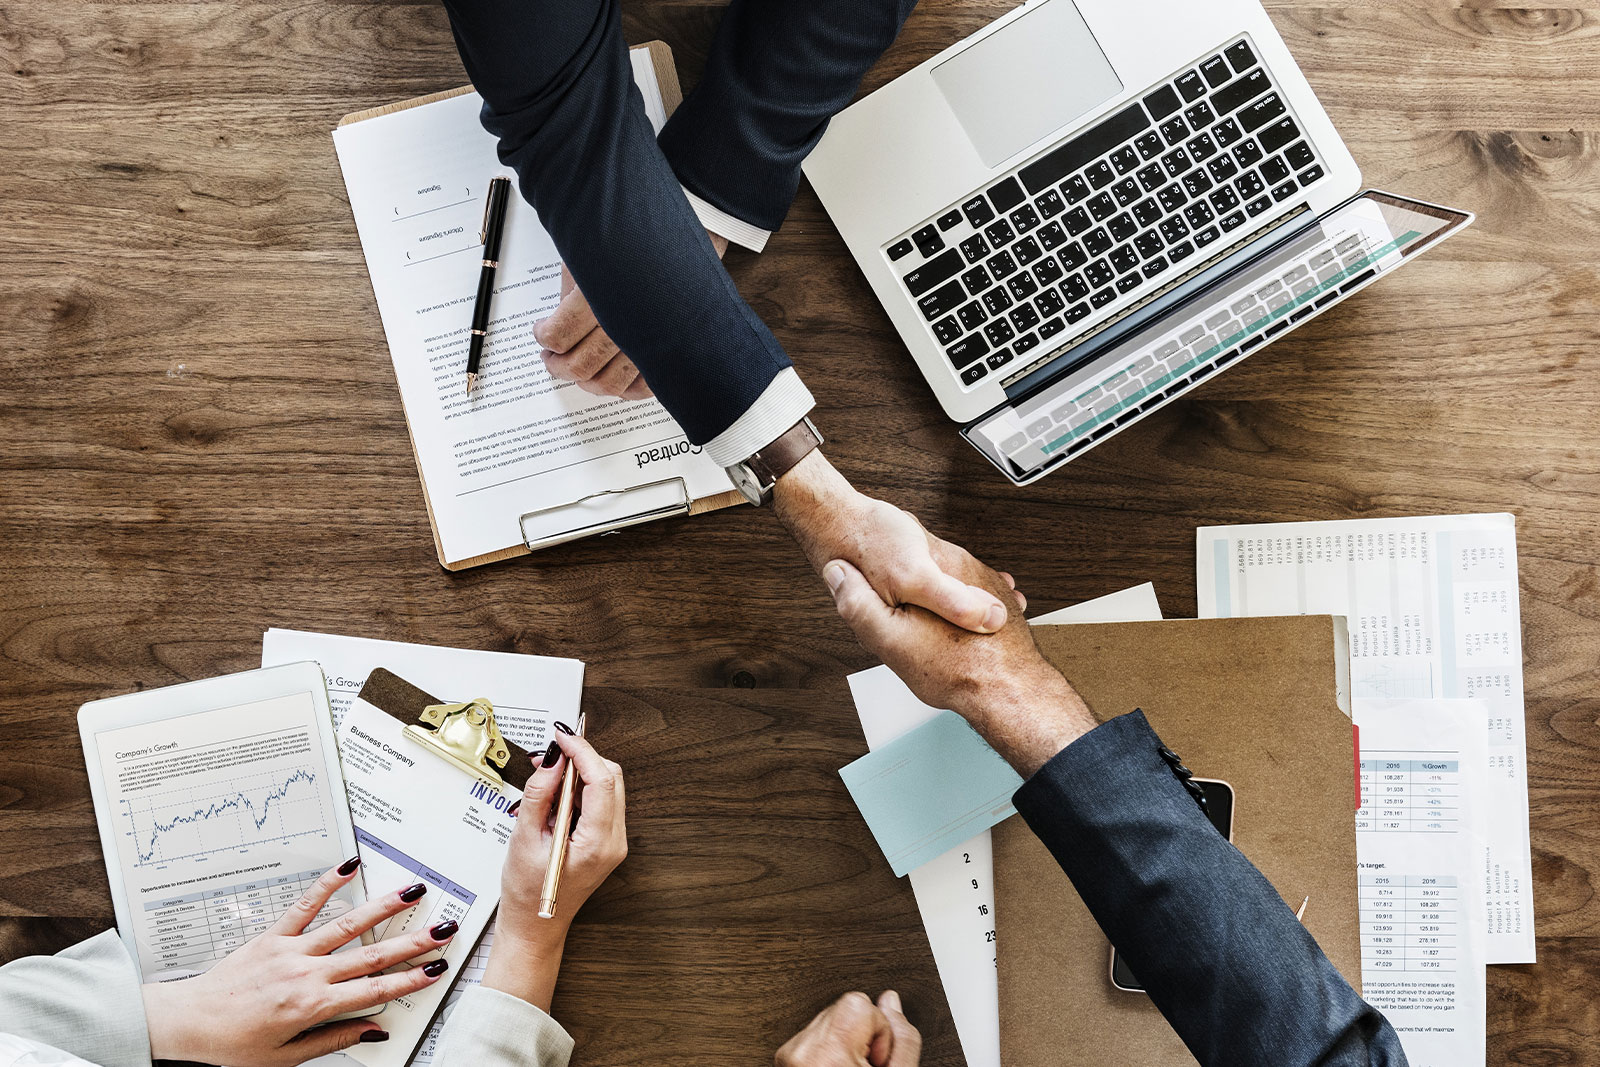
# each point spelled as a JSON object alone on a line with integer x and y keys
{"x": 756, "y": 476}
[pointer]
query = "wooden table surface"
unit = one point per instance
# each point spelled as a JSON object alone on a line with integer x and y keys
{"x": 200, "y": 437}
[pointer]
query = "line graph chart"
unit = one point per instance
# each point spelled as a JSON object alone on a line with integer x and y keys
{"x": 225, "y": 816}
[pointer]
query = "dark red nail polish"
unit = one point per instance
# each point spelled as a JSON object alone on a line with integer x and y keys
{"x": 564, "y": 728}
{"x": 436, "y": 968}
{"x": 349, "y": 867}
{"x": 413, "y": 892}
{"x": 444, "y": 931}
{"x": 369, "y": 1036}
{"x": 512, "y": 810}
{"x": 551, "y": 756}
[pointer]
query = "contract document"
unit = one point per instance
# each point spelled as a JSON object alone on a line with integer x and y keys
{"x": 1434, "y": 613}
{"x": 1424, "y": 778}
{"x": 523, "y": 441}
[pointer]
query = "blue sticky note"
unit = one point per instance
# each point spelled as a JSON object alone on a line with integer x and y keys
{"x": 931, "y": 789}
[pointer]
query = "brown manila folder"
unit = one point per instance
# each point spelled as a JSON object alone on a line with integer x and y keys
{"x": 1260, "y": 703}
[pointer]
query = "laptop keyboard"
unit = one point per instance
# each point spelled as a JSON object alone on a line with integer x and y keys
{"x": 1103, "y": 219}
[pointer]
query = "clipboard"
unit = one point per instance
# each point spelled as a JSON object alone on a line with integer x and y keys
{"x": 606, "y": 511}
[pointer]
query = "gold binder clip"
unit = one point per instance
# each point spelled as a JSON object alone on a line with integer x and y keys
{"x": 466, "y": 735}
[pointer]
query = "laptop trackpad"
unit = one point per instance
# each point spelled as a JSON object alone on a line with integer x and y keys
{"x": 1031, "y": 78}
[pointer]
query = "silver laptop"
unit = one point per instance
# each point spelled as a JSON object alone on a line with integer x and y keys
{"x": 1089, "y": 207}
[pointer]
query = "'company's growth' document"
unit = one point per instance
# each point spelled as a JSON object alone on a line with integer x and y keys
{"x": 523, "y": 441}
{"x": 1433, "y": 611}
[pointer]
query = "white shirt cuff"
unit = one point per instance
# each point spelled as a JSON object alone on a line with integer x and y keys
{"x": 784, "y": 402}
{"x": 725, "y": 225}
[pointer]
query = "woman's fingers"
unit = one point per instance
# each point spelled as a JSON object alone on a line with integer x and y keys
{"x": 351, "y": 925}
{"x": 302, "y": 911}
{"x": 326, "y": 1040}
{"x": 602, "y": 781}
{"x": 359, "y": 993}
{"x": 356, "y": 961}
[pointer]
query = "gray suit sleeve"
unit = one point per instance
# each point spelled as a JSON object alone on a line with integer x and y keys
{"x": 488, "y": 1028}
{"x": 84, "y": 1000}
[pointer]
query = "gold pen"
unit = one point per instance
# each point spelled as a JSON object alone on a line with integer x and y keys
{"x": 558, "y": 845}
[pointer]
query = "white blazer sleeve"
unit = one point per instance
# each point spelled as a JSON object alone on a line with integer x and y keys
{"x": 488, "y": 1028}
{"x": 84, "y": 1000}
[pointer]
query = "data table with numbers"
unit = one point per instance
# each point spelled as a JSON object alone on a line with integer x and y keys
{"x": 1408, "y": 922}
{"x": 1399, "y": 795}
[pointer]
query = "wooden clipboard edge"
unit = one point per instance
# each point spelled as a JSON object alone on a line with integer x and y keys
{"x": 402, "y": 701}
{"x": 666, "y": 72}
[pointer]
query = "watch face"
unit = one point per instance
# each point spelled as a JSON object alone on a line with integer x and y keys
{"x": 745, "y": 480}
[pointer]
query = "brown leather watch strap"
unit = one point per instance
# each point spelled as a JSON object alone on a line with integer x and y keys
{"x": 778, "y": 458}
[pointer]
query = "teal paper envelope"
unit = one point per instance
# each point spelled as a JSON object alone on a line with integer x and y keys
{"x": 930, "y": 789}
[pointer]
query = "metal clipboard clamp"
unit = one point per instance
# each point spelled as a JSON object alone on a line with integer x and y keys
{"x": 593, "y": 518}
{"x": 465, "y": 735}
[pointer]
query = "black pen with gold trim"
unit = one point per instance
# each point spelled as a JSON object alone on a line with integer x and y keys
{"x": 494, "y": 224}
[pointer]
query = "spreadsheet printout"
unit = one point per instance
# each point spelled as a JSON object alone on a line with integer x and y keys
{"x": 1434, "y": 612}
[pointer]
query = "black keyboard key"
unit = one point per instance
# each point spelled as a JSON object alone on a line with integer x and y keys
{"x": 942, "y": 267}
{"x": 1226, "y": 132}
{"x": 996, "y": 300}
{"x": 972, "y": 315}
{"x": 1198, "y": 214}
{"x": 1001, "y": 265}
{"x": 1102, "y": 298}
{"x": 1224, "y": 199}
{"x": 1052, "y": 236}
{"x": 1023, "y": 317}
{"x": 1232, "y": 97}
{"x": 944, "y": 299}
{"x": 1155, "y": 266}
{"x": 949, "y": 219}
{"x": 1174, "y": 228}
{"x": 1096, "y": 241}
{"x": 1299, "y": 155}
{"x": 973, "y": 373}
{"x": 1249, "y": 184}
{"x": 1215, "y": 71}
{"x": 1129, "y": 282}
{"x": 1195, "y": 183}
{"x": 1090, "y": 145}
{"x": 1206, "y": 236}
{"x": 1180, "y": 251}
{"x": 928, "y": 240}
{"x": 1074, "y": 289}
{"x": 1123, "y": 259}
{"x": 1076, "y": 221}
{"x": 1191, "y": 86}
{"x": 1163, "y": 102}
{"x": 1278, "y": 134}
{"x": 1124, "y": 159}
{"x": 1102, "y": 207}
{"x": 999, "y": 332}
{"x": 1024, "y": 218}
{"x": 1232, "y": 221}
{"x": 1126, "y": 192}
{"x": 1222, "y": 168}
{"x": 1309, "y": 175}
{"x": 1122, "y": 227}
{"x": 1098, "y": 273}
{"x": 977, "y": 211}
{"x": 1248, "y": 153}
{"x": 1257, "y": 206}
{"x": 1099, "y": 174}
{"x": 1173, "y": 131}
{"x": 1049, "y": 303}
{"x": 999, "y": 233}
{"x": 1171, "y": 198}
{"x": 1073, "y": 256}
{"x": 1025, "y": 343}
{"x": 1151, "y": 177}
{"x": 1050, "y": 327}
{"x": 1077, "y": 312}
{"x": 947, "y": 330}
{"x": 1026, "y": 251}
{"x": 969, "y": 349}
{"x": 976, "y": 280}
{"x": 1148, "y": 243}
{"x": 1176, "y": 162}
{"x": 1006, "y": 195}
{"x": 1075, "y": 189}
{"x": 1283, "y": 192}
{"x": 1240, "y": 56}
{"x": 1147, "y": 211}
{"x": 1050, "y": 204}
{"x": 1200, "y": 116}
{"x": 1149, "y": 145}
{"x": 998, "y": 359}
{"x": 974, "y": 248}
{"x": 900, "y": 248}
{"x": 1274, "y": 171}
{"x": 1254, "y": 116}
{"x": 1047, "y": 271}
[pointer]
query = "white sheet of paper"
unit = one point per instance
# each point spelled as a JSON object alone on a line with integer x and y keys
{"x": 955, "y": 892}
{"x": 513, "y": 683}
{"x": 1433, "y": 609}
{"x": 417, "y": 181}
{"x": 1424, "y": 781}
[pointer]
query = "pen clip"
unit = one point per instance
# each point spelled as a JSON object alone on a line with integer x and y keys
{"x": 483, "y": 228}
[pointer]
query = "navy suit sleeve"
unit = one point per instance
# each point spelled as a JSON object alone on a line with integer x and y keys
{"x": 1222, "y": 956}
{"x": 777, "y": 72}
{"x": 558, "y": 92}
